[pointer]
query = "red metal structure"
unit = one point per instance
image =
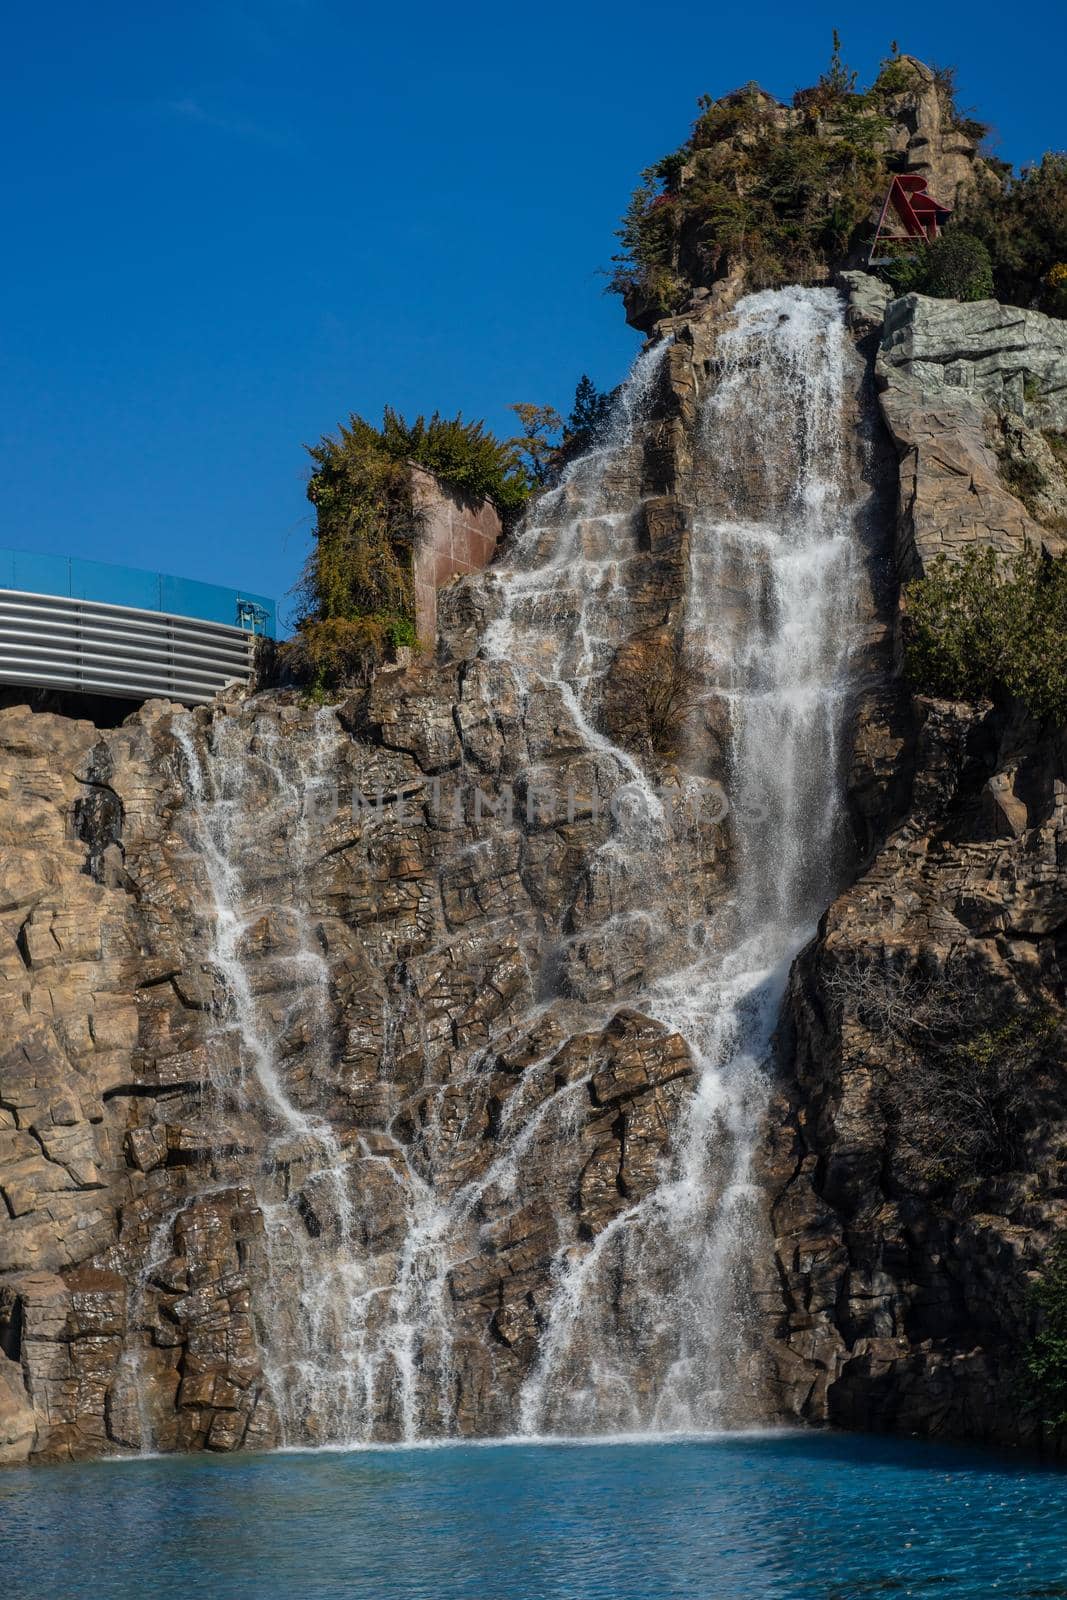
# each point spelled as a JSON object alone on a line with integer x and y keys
{"x": 917, "y": 218}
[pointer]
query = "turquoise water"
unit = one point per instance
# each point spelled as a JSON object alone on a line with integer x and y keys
{"x": 756, "y": 1517}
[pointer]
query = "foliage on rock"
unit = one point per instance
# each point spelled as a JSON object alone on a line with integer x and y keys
{"x": 356, "y": 597}
{"x": 536, "y": 445}
{"x": 789, "y": 193}
{"x": 344, "y": 650}
{"x": 547, "y": 442}
{"x": 967, "y": 1061}
{"x": 1055, "y": 286}
{"x": 662, "y": 689}
{"x": 783, "y": 191}
{"x": 956, "y": 266}
{"x": 983, "y": 629}
{"x": 1045, "y": 1359}
{"x": 1022, "y": 221}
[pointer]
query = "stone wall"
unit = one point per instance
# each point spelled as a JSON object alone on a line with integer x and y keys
{"x": 456, "y": 536}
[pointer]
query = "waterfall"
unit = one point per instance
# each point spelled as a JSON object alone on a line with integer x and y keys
{"x": 648, "y": 1325}
{"x": 251, "y": 818}
{"x": 772, "y": 432}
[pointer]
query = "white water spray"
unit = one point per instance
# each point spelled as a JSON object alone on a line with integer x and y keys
{"x": 649, "y": 1323}
{"x": 770, "y": 605}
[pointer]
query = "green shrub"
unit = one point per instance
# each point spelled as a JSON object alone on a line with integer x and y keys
{"x": 356, "y": 595}
{"x": 327, "y": 655}
{"x": 896, "y": 76}
{"x": 1045, "y": 1358}
{"x": 1023, "y": 223}
{"x": 955, "y": 266}
{"x": 1054, "y": 297}
{"x": 981, "y": 629}
{"x": 464, "y": 454}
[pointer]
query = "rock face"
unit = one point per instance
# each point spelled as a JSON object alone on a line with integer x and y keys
{"x": 936, "y": 983}
{"x": 952, "y": 378}
{"x": 277, "y": 1032}
{"x": 351, "y": 1081}
{"x": 926, "y": 139}
{"x": 100, "y": 1084}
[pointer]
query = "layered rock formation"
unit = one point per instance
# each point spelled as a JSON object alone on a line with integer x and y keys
{"x": 354, "y": 1079}
{"x": 276, "y": 1003}
{"x": 932, "y": 999}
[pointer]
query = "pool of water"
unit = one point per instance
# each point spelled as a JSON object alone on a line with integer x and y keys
{"x": 745, "y": 1517}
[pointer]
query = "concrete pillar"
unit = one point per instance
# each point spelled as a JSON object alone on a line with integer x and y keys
{"x": 454, "y": 534}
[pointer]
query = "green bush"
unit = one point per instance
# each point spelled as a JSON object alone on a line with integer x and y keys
{"x": 1045, "y": 1358}
{"x": 1023, "y": 223}
{"x": 896, "y": 76}
{"x": 982, "y": 629}
{"x": 1054, "y": 299}
{"x": 464, "y": 454}
{"x": 327, "y": 655}
{"x": 356, "y": 595}
{"x": 956, "y": 266}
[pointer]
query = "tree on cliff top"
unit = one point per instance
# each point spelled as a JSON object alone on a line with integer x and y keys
{"x": 355, "y": 598}
{"x": 787, "y": 193}
{"x": 780, "y": 189}
{"x": 547, "y": 443}
{"x": 1023, "y": 224}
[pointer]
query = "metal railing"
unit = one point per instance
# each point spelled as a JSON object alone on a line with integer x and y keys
{"x": 93, "y": 628}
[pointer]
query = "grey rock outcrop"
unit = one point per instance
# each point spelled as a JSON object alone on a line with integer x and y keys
{"x": 948, "y": 373}
{"x": 1004, "y": 358}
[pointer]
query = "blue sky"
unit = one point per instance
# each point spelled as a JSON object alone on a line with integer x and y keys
{"x": 231, "y": 224}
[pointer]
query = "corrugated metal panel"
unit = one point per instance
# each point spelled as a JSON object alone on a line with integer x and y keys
{"x": 55, "y": 641}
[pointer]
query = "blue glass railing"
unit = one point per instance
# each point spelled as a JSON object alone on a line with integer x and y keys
{"x": 145, "y": 591}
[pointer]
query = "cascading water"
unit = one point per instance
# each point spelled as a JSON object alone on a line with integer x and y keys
{"x": 645, "y": 1324}
{"x": 769, "y": 608}
{"x": 245, "y": 783}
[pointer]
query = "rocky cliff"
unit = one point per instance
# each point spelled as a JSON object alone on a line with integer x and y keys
{"x": 276, "y": 986}
{"x": 763, "y": 193}
{"x": 358, "y": 1079}
{"x": 917, "y": 1149}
